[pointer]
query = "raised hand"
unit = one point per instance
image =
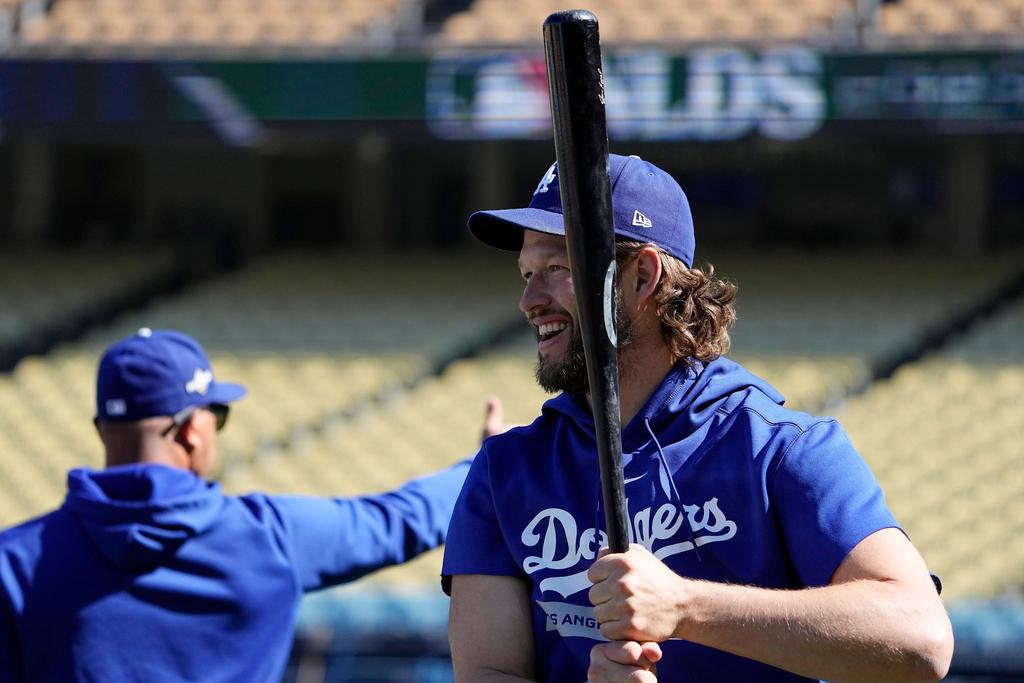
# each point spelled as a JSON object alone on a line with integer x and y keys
{"x": 494, "y": 418}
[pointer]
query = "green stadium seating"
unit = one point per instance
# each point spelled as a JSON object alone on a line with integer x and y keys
{"x": 943, "y": 436}
{"x": 45, "y": 294}
{"x": 224, "y": 25}
{"x": 338, "y": 351}
{"x": 487, "y": 22}
{"x": 315, "y": 337}
{"x": 950, "y": 22}
{"x": 272, "y": 26}
{"x": 816, "y": 324}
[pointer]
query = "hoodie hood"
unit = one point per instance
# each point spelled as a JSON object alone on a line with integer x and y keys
{"x": 675, "y": 425}
{"x": 138, "y": 515}
{"x": 688, "y": 397}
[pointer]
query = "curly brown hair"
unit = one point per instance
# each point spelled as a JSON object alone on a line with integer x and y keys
{"x": 696, "y": 308}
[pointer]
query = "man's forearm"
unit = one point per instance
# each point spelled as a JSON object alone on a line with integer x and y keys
{"x": 857, "y": 631}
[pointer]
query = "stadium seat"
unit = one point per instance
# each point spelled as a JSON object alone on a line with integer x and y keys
{"x": 47, "y": 293}
{"x": 654, "y": 21}
{"x": 936, "y": 434}
{"x": 958, "y": 22}
{"x": 210, "y": 24}
{"x": 341, "y": 377}
{"x": 307, "y": 333}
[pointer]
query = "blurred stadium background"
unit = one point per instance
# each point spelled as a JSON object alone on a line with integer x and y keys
{"x": 288, "y": 181}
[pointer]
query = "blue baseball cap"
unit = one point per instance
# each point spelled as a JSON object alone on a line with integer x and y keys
{"x": 647, "y": 205}
{"x": 157, "y": 372}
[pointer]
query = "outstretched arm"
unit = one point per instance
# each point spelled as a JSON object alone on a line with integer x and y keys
{"x": 878, "y": 619}
{"x": 334, "y": 540}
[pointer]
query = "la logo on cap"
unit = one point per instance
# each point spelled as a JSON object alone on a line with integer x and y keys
{"x": 640, "y": 220}
{"x": 548, "y": 178}
{"x": 200, "y": 382}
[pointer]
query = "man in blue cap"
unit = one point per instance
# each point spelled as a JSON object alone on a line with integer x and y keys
{"x": 762, "y": 548}
{"x": 148, "y": 572}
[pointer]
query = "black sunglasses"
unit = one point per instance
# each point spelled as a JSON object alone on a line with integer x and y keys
{"x": 220, "y": 413}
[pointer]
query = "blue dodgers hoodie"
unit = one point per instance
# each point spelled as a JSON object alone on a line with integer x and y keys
{"x": 149, "y": 573}
{"x": 722, "y": 483}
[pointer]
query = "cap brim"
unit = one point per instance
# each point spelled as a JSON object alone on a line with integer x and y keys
{"x": 503, "y": 228}
{"x": 225, "y": 392}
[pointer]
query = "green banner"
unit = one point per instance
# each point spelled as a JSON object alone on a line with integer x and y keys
{"x": 707, "y": 93}
{"x": 949, "y": 89}
{"x": 725, "y": 93}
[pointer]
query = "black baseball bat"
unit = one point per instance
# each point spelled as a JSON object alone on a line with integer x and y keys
{"x": 575, "y": 80}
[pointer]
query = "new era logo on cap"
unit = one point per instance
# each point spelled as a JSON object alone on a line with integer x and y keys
{"x": 640, "y": 220}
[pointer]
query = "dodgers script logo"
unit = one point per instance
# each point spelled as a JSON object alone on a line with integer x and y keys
{"x": 563, "y": 546}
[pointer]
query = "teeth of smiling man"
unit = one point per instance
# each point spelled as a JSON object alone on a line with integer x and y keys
{"x": 551, "y": 328}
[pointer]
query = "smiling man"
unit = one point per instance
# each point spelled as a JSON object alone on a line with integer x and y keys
{"x": 763, "y": 548}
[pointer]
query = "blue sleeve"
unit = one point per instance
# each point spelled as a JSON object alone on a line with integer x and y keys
{"x": 475, "y": 542}
{"x": 334, "y": 540}
{"x": 826, "y": 501}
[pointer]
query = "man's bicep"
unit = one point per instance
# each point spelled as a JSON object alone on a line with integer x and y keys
{"x": 490, "y": 628}
{"x": 886, "y": 555}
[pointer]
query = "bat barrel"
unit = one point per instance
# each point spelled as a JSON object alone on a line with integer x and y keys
{"x": 576, "y": 83}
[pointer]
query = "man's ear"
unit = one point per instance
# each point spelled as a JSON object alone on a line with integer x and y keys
{"x": 648, "y": 272}
{"x": 188, "y": 437}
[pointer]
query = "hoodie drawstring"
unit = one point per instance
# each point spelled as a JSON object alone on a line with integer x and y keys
{"x": 672, "y": 485}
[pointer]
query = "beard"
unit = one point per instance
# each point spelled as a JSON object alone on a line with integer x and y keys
{"x": 569, "y": 373}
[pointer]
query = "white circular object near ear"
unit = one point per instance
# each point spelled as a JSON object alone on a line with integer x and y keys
{"x": 609, "y": 304}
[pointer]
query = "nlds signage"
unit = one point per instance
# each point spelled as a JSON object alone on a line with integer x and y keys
{"x": 710, "y": 94}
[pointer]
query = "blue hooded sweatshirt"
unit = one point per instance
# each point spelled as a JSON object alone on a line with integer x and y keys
{"x": 722, "y": 484}
{"x": 149, "y": 573}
